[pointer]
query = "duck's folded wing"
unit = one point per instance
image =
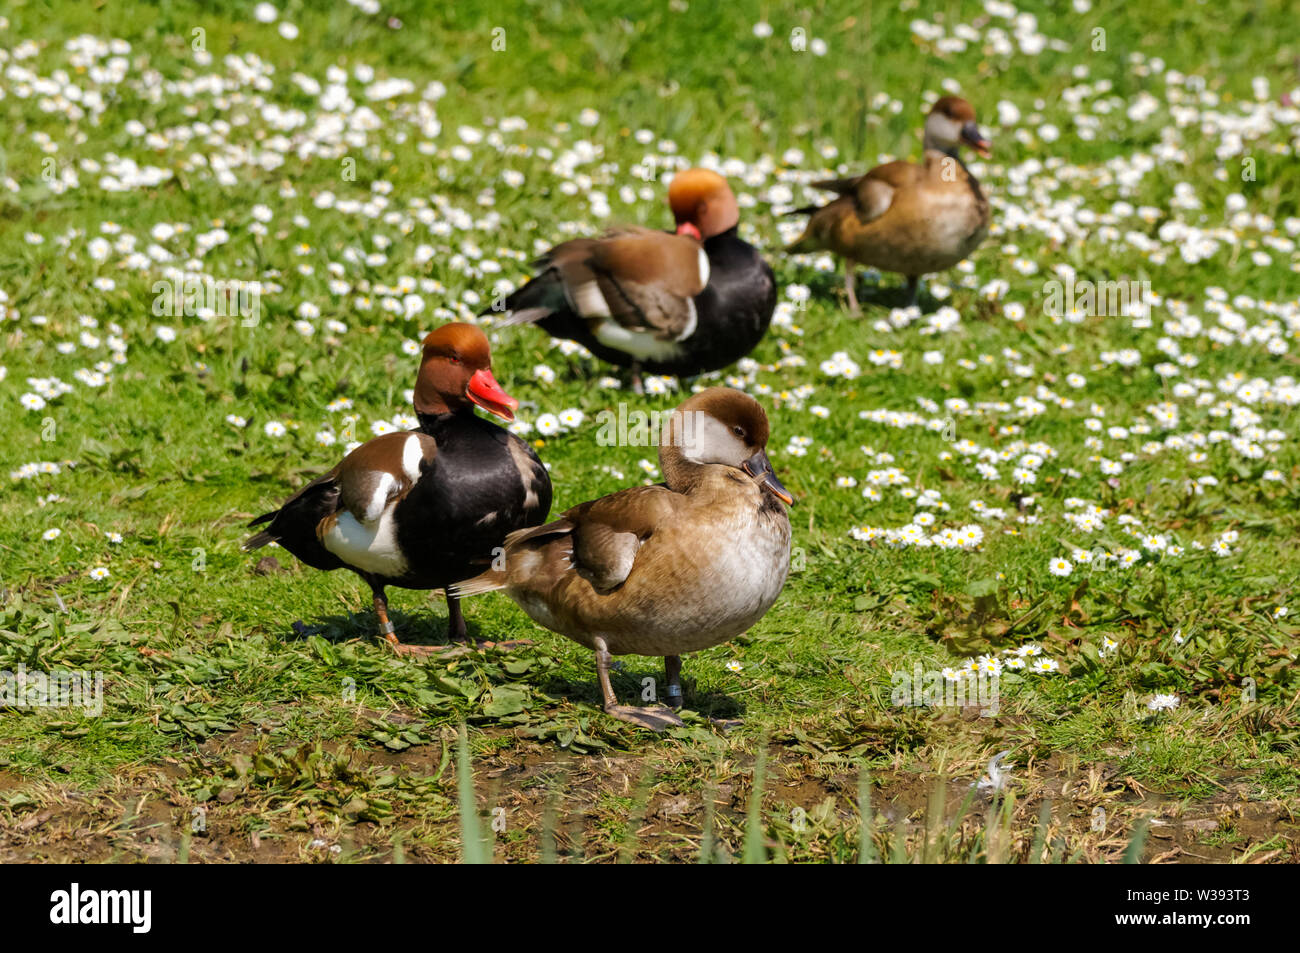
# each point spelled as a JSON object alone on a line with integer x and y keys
{"x": 636, "y": 278}
{"x": 609, "y": 532}
{"x": 873, "y": 193}
{"x": 599, "y": 540}
{"x": 381, "y": 471}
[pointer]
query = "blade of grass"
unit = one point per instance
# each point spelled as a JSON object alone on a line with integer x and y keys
{"x": 953, "y": 832}
{"x": 706, "y": 838}
{"x": 866, "y": 820}
{"x": 997, "y": 829}
{"x": 1133, "y": 853}
{"x": 898, "y": 851}
{"x": 1040, "y": 835}
{"x": 934, "y": 820}
{"x": 548, "y": 830}
{"x": 640, "y": 800}
{"x": 399, "y": 851}
{"x": 473, "y": 846}
{"x": 755, "y": 852}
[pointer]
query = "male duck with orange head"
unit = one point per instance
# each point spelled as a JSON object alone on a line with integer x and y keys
{"x": 667, "y": 303}
{"x": 424, "y": 508}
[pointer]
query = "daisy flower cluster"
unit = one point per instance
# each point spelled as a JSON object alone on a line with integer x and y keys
{"x": 1027, "y": 658}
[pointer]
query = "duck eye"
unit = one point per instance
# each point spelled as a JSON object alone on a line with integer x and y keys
{"x": 454, "y": 359}
{"x": 739, "y": 432}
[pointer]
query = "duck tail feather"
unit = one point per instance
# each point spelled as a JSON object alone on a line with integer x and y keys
{"x": 522, "y": 316}
{"x": 558, "y": 527}
{"x": 258, "y": 540}
{"x": 265, "y": 518}
{"x": 534, "y": 301}
{"x": 800, "y": 246}
{"x": 489, "y": 581}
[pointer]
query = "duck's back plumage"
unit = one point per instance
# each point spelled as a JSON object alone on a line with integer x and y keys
{"x": 651, "y": 322}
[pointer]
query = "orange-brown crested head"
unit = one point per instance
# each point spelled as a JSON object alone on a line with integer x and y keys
{"x": 951, "y": 123}
{"x": 724, "y": 426}
{"x": 703, "y": 204}
{"x": 456, "y": 372}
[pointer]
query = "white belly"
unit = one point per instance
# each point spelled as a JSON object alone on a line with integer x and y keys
{"x": 370, "y": 546}
{"x": 643, "y": 345}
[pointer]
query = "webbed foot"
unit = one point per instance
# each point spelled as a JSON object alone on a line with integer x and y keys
{"x": 656, "y": 719}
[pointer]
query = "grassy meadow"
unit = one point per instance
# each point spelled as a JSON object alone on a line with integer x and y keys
{"x": 226, "y": 227}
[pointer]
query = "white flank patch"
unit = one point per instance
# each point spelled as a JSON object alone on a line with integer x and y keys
{"x": 370, "y": 546}
{"x": 379, "y": 499}
{"x": 692, "y": 322}
{"x": 704, "y": 268}
{"x": 642, "y": 345}
{"x": 589, "y": 302}
{"x": 412, "y": 454}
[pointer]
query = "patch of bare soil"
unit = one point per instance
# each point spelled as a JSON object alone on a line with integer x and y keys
{"x": 608, "y": 807}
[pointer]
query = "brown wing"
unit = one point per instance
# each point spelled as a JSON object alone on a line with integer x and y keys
{"x": 608, "y": 533}
{"x": 899, "y": 174}
{"x": 873, "y": 193}
{"x": 640, "y": 278}
{"x": 382, "y": 470}
{"x": 356, "y": 484}
{"x": 600, "y": 538}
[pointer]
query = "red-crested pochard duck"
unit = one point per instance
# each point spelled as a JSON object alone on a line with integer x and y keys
{"x": 665, "y": 569}
{"x": 909, "y": 218}
{"x": 424, "y": 508}
{"x": 652, "y": 301}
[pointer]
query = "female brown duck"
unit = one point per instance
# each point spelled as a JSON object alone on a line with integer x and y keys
{"x": 653, "y": 301}
{"x": 666, "y": 569}
{"x": 905, "y": 217}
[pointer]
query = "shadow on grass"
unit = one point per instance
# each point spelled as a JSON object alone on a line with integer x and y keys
{"x": 413, "y": 628}
{"x": 423, "y": 628}
{"x": 873, "y": 290}
{"x": 629, "y": 680}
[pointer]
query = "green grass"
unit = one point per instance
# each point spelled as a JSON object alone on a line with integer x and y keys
{"x": 212, "y": 701}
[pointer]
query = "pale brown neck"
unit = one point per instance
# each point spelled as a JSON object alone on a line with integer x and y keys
{"x": 928, "y": 142}
{"x": 681, "y": 474}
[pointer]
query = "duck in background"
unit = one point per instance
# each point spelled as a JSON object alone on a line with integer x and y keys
{"x": 910, "y": 218}
{"x": 680, "y": 304}
{"x": 664, "y": 569}
{"x": 424, "y": 508}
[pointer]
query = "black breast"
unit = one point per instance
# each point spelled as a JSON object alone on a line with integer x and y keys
{"x": 484, "y": 483}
